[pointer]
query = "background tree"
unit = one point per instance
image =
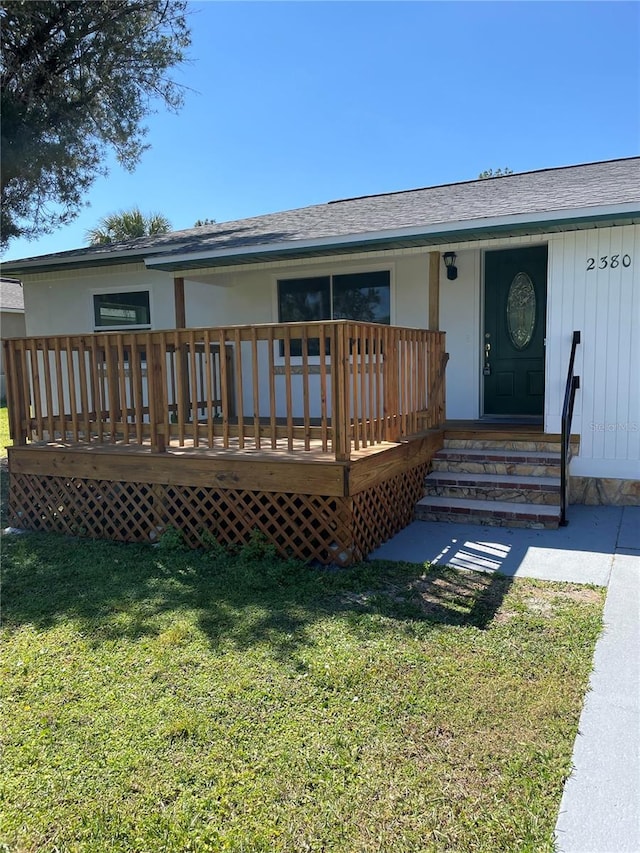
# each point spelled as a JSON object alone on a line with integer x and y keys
{"x": 127, "y": 225}
{"x": 495, "y": 173}
{"x": 78, "y": 79}
{"x": 200, "y": 222}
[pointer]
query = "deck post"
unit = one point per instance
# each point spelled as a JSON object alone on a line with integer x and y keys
{"x": 434, "y": 291}
{"x": 157, "y": 399}
{"x": 339, "y": 385}
{"x": 15, "y": 376}
{"x": 178, "y": 295}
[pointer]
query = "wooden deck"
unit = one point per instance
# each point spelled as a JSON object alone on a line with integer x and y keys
{"x": 310, "y": 505}
{"x": 318, "y": 435}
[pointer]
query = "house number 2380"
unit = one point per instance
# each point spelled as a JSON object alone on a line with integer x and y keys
{"x": 608, "y": 262}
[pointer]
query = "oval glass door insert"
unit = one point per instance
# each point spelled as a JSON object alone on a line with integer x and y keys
{"x": 521, "y": 310}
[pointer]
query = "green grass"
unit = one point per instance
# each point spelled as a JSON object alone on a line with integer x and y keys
{"x": 5, "y": 440}
{"x": 159, "y": 700}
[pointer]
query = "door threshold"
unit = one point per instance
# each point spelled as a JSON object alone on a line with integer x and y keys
{"x": 533, "y": 420}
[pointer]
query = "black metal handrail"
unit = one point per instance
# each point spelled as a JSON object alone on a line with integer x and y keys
{"x": 573, "y": 383}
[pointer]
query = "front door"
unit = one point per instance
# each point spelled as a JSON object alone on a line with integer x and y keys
{"x": 515, "y": 295}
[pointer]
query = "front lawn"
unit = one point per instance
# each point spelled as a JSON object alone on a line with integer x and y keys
{"x": 159, "y": 700}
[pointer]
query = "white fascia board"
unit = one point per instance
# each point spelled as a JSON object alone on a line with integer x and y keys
{"x": 547, "y": 216}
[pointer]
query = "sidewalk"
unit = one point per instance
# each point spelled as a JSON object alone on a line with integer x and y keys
{"x": 600, "y": 808}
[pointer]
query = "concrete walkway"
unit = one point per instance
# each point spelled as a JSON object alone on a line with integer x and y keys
{"x": 600, "y": 808}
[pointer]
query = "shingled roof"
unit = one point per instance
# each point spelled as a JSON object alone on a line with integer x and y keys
{"x": 11, "y": 296}
{"x": 547, "y": 200}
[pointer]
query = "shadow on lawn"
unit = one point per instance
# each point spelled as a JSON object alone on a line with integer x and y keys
{"x": 114, "y": 591}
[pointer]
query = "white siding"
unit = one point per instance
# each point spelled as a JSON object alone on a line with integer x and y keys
{"x": 250, "y": 295}
{"x": 460, "y": 319}
{"x": 604, "y": 305}
{"x": 62, "y": 303}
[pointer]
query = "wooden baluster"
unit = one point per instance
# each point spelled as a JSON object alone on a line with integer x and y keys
{"x": 193, "y": 385}
{"x": 48, "y": 394}
{"x": 239, "y": 387}
{"x": 163, "y": 339}
{"x": 137, "y": 396}
{"x": 379, "y": 365}
{"x": 361, "y": 355}
{"x": 71, "y": 387}
{"x": 122, "y": 387}
{"x": 393, "y": 367}
{"x": 305, "y": 389}
{"x": 369, "y": 355}
{"x": 287, "y": 380}
{"x": 35, "y": 381}
{"x": 414, "y": 382}
{"x": 96, "y": 384}
{"x": 352, "y": 367}
{"x": 256, "y": 389}
{"x": 210, "y": 386}
{"x": 272, "y": 389}
{"x": 225, "y": 385}
{"x": 84, "y": 393}
{"x": 60, "y": 389}
{"x": 406, "y": 381}
{"x": 322, "y": 349}
{"x": 180, "y": 377}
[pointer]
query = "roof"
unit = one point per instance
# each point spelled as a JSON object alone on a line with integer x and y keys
{"x": 11, "y": 295}
{"x": 546, "y": 199}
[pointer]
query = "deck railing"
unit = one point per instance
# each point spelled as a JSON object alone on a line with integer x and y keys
{"x": 338, "y": 385}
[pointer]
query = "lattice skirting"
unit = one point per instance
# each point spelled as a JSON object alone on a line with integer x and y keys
{"x": 328, "y": 529}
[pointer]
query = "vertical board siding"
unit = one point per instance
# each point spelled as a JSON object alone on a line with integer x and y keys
{"x": 604, "y": 305}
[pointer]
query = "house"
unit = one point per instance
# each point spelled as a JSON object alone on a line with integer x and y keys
{"x": 11, "y": 318}
{"x": 301, "y": 363}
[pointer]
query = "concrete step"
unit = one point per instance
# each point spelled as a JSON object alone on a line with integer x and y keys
{"x": 488, "y": 512}
{"x": 522, "y": 463}
{"x": 501, "y": 487}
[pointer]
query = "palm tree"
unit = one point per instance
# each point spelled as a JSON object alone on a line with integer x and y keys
{"x": 126, "y": 225}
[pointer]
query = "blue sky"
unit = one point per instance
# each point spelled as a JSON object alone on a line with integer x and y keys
{"x": 300, "y": 103}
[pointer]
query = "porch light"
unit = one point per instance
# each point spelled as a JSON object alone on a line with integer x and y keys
{"x": 450, "y": 263}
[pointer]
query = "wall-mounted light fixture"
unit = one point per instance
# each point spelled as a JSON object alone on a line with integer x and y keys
{"x": 450, "y": 263}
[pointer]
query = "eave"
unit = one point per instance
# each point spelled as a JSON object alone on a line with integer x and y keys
{"x": 408, "y": 238}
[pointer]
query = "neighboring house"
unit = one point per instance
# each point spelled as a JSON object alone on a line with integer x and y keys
{"x": 12, "y": 323}
{"x": 535, "y": 257}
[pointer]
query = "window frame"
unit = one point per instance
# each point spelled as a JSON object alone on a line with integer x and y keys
{"x": 331, "y": 273}
{"x": 115, "y": 327}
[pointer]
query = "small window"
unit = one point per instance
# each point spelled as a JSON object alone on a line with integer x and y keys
{"x": 112, "y": 310}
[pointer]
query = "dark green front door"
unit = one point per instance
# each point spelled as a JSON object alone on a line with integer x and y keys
{"x": 515, "y": 295}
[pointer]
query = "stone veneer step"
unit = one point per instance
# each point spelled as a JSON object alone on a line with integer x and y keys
{"x": 534, "y": 483}
{"x": 494, "y": 443}
{"x": 505, "y": 487}
{"x": 543, "y": 457}
{"x": 489, "y": 512}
